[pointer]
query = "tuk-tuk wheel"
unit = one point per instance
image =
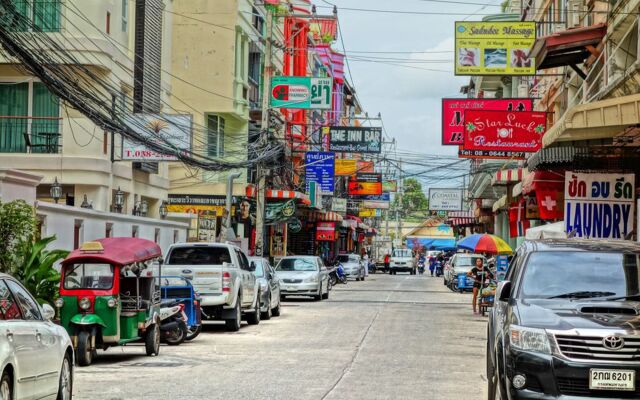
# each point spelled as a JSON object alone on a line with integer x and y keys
{"x": 152, "y": 340}
{"x": 84, "y": 354}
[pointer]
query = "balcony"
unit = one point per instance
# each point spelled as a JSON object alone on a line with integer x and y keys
{"x": 33, "y": 135}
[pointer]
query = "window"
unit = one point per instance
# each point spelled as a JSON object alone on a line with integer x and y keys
{"x": 108, "y": 27}
{"x": 156, "y": 236}
{"x": 198, "y": 256}
{"x": 257, "y": 20}
{"x": 42, "y": 15}
{"x": 8, "y": 307}
{"x": 28, "y": 306}
{"x": 215, "y": 136}
{"x": 125, "y": 15}
{"x": 242, "y": 259}
{"x": 88, "y": 276}
{"x": 134, "y": 231}
{"x": 77, "y": 233}
{"x": 108, "y": 230}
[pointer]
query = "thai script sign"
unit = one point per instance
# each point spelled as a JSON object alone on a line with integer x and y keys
{"x": 494, "y": 48}
{"x": 319, "y": 167}
{"x": 339, "y": 205}
{"x": 377, "y": 204}
{"x": 504, "y": 131}
{"x": 170, "y": 131}
{"x": 326, "y": 231}
{"x": 453, "y": 114}
{"x": 352, "y": 139}
{"x": 346, "y": 167}
{"x": 301, "y": 92}
{"x": 599, "y": 205}
{"x": 197, "y": 204}
{"x": 207, "y": 226}
{"x": 445, "y": 199}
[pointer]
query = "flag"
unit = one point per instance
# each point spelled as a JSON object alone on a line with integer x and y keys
{"x": 550, "y": 204}
{"x": 518, "y": 224}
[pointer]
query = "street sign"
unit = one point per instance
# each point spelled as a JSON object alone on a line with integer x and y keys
{"x": 301, "y": 92}
{"x": 320, "y": 168}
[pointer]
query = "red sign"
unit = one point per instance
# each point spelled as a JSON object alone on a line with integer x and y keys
{"x": 550, "y": 204}
{"x": 326, "y": 231}
{"x": 453, "y": 114}
{"x": 504, "y": 130}
{"x": 506, "y": 155}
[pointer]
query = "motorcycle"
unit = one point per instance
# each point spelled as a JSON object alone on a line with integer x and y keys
{"x": 421, "y": 267}
{"x": 439, "y": 269}
{"x": 337, "y": 275}
{"x": 173, "y": 325}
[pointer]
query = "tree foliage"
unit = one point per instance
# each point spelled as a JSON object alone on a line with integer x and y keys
{"x": 17, "y": 227}
{"x": 414, "y": 201}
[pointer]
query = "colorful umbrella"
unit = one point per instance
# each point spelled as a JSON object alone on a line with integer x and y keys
{"x": 485, "y": 243}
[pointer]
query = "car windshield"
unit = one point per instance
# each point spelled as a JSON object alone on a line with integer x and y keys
{"x": 198, "y": 256}
{"x": 259, "y": 272}
{"x": 297, "y": 264}
{"x": 343, "y": 258}
{"x": 589, "y": 274}
{"x": 88, "y": 276}
{"x": 468, "y": 261}
{"x": 402, "y": 253}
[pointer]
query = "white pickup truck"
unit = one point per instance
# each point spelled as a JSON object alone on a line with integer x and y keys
{"x": 222, "y": 276}
{"x": 402, "y": 261}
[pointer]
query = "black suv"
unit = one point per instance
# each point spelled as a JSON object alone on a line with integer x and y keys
{"x": 566, "y": 322}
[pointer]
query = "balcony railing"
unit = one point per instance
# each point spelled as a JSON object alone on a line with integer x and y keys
{"x": 30, "y": 135}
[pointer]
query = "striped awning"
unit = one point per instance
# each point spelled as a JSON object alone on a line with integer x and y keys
{"x": 279, "y": 194}
{"x": 507, "y": 176}
{"x": 329, "y": 216}
{"x": 501, "y": 203}
{"x": 458, "y": 218}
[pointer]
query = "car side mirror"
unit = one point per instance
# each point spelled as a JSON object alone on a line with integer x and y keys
{"x": 504, "y": 291}
{"x": 48, "y": 312}
{"x": 252, "y": 266}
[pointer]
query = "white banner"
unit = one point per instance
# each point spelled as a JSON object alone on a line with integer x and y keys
{"x": 174, "y": 130}
{"x": 599, "y": 205}
{"x": 378, "y": 204}
{"x": 445, "y": 199}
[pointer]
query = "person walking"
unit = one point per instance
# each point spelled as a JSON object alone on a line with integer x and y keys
{"x": 387, "y": 261}
{"x": 479, "y": 274}
{"x": 432, "y": 264}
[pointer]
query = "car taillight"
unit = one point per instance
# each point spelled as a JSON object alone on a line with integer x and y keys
{"x": 226, "y": 282}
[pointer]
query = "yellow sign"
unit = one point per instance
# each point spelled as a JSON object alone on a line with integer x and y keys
{"x": 346, "y": 167}
{"x": 367, "y": 212}
{"x": 198, "y": 209}
{"x": 494, "y": 48}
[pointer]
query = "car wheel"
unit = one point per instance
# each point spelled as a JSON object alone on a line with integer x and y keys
{"x": 254, "y": 317}
{"x": 177, "y": 335}
{"x": 233, "y": 325}
{"x": 65, "y": 385}
{"x": 318, "y": 296}
{"x": 6, "y": 386}
{"x": 277, "y": 310}
{"x": 267, "y": 314}
{"x": 193, "y": 332}
{"x": 152, "y": 340}
{"x": 84, "y": 355}
{"x": 325, "y": 296}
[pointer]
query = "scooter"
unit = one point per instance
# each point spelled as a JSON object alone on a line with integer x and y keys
{"x": 438, "y": 268}
{"x": 337, "y": 275}
{"x": 173, "y": 325}
{"x": 421, "y": 267}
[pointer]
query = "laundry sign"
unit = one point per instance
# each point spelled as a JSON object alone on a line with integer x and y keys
{"x": 599, "y": 205}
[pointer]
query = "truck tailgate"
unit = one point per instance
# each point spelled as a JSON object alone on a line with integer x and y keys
{"x": 206, "y": 279}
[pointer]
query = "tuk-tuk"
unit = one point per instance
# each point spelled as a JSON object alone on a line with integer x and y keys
{"x": 109, "y": 296}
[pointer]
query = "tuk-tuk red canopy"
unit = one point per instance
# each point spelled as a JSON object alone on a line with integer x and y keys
{"x": 119, "y": 250}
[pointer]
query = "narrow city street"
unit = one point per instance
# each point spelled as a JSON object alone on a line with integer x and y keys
{"x": 390, "y": 337}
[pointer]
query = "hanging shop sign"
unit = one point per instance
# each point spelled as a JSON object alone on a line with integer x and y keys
{"x": 504, "y": 130}
{"x": 369, "y": 213}
{"x": 494, "y": 48}
{"x": 599, "y": 205}
{"x": 389, "y": 186}
{"x": 207, "y": 226}
{"x": 365, "y": 184}
{"x": 301, "y": 92}
{"x": 379, "y": 197}
{"x": 345, "y": 167}
{"x": 532, "y": 211}
{"x": 502, "y": 264}
{"x": 365, "y": 166}
{"x": 369, "y": 177}
{"x": 339, "y": 205}
{"x": 326, "y": 231}
{"x": 279, "y": 211}
{"x": 355, "y": 139}
{"x": 496, "y": 155}
{"x": 320, "y": 167}
{"x": 294, "y": 225}
{"x": 278, "y": 240}
{"x": 377, "y": 204}
{"x": 173, "y": 131}
{"x": 453, "y": 114}
{"x": 445, "y": 199}
{"x": 197, "y": 204}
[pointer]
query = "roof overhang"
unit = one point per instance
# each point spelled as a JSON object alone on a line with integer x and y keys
{"x": 597, "y": 120}
{"x": 570, "y": 47}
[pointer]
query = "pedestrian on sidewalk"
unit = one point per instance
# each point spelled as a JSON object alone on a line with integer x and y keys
{"x": 479, "y": 274}
{"x": 387, "y": 261}
{"x": 432, "y": 264}
{"x": 365, "y": 259}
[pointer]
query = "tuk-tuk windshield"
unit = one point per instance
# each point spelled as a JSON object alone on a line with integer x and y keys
{"x": 88, "y": 276}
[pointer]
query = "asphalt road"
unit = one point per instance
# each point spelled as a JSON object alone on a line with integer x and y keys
{"x": 390, "y": 337}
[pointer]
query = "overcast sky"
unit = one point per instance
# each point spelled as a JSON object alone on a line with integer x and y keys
{"x": 408, "y": 98}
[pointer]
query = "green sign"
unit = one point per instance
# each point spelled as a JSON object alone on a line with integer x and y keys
{"x": 295, "y": 225}
{"x": 301, "y": 92}
{"x": 279, "y": 212}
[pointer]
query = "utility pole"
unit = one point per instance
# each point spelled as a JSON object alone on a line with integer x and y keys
{"x": 400, "y": 194}
{"x": 264, "y": 131}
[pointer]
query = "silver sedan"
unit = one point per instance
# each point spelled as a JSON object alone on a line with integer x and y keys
{"x": 269, "y": 288}
{"x": 353, "y": 266}
{"x": 36, "y": 355}
{"x": 303, "y": 276}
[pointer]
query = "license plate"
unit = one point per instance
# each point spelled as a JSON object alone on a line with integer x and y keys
{"x": 612, "y": 379}
{"x": 290, "y": 288}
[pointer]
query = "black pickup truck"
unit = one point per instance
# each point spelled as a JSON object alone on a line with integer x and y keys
{"x": 566, "y": 322}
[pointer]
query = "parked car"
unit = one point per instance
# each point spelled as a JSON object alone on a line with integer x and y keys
{"x": 353, "y": 266}
{"x": 460, "y": 263}
{"x": 303, "y": 276}
{"x": 36, "y": 355}
{"x": 565, "y": 322}
{"x": 223, "y": 277}
{"x": 269, "y": 287}
{"x": 402, "y": 261}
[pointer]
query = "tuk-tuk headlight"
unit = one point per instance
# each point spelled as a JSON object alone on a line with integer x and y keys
{"x": 59, "y": 302}
{"x": 84, "y": 303}
{"x": 111, "y": 302}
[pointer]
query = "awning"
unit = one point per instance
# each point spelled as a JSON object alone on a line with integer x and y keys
{"x": 434, "y": 243}
{"x": 501, "y": 203}
{"x": 568, "y": 48}
{"x": 517, "y": 189}
{"x": 458, "y": 218}
{"x": 554, "y": 156}
{"x": 597, "y": 120}
{"x": 543, "y": 180}
{"x": 329, "y": 216}
{"x": 279, "y": 194}
{"x": 507, "y": 176}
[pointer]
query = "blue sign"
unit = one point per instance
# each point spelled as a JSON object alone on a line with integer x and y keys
{"x": 502, "y": 264}
{"x": 320, "y": 167}
{"x": 381, "y": 197}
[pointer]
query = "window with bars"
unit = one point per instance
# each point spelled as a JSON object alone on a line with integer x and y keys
{"x": 215, "y": 135}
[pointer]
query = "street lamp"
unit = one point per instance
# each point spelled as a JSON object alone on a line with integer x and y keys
{"x": 163, "y": 210}
{"x": 144, "y": 208}
{"x": 56, "y": 190}
{"x": 119, "y": 200}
